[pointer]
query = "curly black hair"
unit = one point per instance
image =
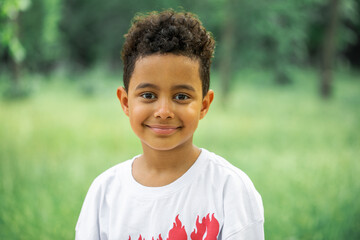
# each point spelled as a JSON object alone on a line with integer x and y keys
{"x": 179, "y": 33}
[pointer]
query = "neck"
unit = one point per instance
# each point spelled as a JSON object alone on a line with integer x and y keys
{"x": 159, "y": 167}
{"x": 181, "y": 157}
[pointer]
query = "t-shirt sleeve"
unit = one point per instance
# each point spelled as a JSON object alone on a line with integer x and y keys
{"x": 253, "y": 232}
{"x": 87, "y": 227}
{"x": 243, "y": 210}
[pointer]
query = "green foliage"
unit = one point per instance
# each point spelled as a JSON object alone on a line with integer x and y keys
{"x": 9, "y": 91}
{"x": 40, "y": 34}
{"x": 9, "y": 12}
{"x": 16, "y": 93}
{"x": 301, "y": 153}
{"x": 93, "y": 31}
{"x": 276, "y": 34}
{"x": 346, "y": 35}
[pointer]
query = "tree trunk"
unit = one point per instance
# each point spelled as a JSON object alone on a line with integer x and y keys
{"x": 226, "y": 59}
{"x": 15, "y": 65}
{"x": 15, "y": 69}
{"x": 329, "y": 49}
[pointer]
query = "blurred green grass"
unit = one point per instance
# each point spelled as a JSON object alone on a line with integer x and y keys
{"x": 301, "y": 152}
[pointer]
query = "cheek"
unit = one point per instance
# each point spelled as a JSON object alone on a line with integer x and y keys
{"x": 193, "y": 115}
{"x": 195, "y": 109}
{"x": 137, "y": 113}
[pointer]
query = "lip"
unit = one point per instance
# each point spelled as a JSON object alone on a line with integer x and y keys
{"x": 163, "y": 129}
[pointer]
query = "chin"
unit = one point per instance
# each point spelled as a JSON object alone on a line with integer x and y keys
{"x": 163, "y": 146}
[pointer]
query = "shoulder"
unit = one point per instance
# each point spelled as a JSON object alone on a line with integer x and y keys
{"x": 231, "y": 177}
{"x": 242, "y": 204}
{"x": 94, "y": 201}
{"x": 228, "y": 172}
{"x": 110, "y": 176}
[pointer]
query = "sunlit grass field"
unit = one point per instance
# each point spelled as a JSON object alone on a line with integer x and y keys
{"x": 302, "y": 153}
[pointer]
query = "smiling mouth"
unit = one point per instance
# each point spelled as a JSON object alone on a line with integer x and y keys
{"x": 163, "y": 130}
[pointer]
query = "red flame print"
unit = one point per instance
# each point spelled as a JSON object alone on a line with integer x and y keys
{"x": 160, "y": 238}
{"x": 208, "y": 228}
{"x": 178, "y": 231}
{"x": 140, "y": 238}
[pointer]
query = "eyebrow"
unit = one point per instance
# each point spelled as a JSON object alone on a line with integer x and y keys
{"x": 146, "y": 85}
{"x": 183, "y": 86}
{"x": 176, "y": 87}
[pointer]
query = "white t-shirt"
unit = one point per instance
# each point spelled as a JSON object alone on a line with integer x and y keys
{"x": 212, "y": 199}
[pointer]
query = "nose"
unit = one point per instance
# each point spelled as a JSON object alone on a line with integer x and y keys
{"x": 164, "y": 109}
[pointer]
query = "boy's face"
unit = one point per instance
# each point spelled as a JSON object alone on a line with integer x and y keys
{"x": 164, "y": 101}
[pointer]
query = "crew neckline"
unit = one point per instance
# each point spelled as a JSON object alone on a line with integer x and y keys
{"x": 163, "y": 191}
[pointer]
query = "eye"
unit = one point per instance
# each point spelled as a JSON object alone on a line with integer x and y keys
{"x": 181, "y": 97}
{"x": 148, "y": 95}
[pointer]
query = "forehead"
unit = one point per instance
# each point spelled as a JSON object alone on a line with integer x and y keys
{"x": 166, "y": 70}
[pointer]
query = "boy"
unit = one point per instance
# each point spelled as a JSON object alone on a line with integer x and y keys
{"x": 173, "y": 190}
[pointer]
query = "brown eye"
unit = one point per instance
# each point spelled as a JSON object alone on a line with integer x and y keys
{"x": 148, "y": 95}
{"x": 181, "y": 97}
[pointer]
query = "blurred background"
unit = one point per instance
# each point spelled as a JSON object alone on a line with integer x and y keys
{"x": 286, "y": 111}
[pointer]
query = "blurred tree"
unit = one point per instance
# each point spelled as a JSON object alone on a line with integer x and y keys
{"x": 92, "y": 31}
{"x": 330, "y": 32}
{"x": 227, "y": 48}
{"x": 40, "y": 35}
{"x": 10, "y": 32}
{"x": 352, "y": 50}
{"x": 78, "y": 27}
{"x": 261, "y": 34}
{"x": 276, "y": 34}
{"x": 283, "y": 33}
{"x": 329, "y": 48}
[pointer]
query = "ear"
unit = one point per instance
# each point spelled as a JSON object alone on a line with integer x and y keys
{"x": 207, "y": 100}
{"x": 124, "y": 100}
